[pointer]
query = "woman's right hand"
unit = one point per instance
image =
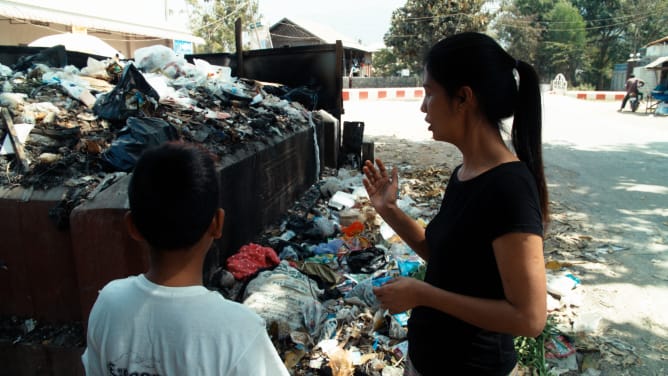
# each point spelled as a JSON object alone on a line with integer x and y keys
{"x": 381, "y": 187}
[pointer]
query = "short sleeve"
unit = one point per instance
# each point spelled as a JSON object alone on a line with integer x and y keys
{"x": 260, "y": 359}
{"x": 515, "y": 205}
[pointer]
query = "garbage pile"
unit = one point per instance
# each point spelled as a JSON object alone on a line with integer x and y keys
{"x": 311, "y": 275}
{"x": 83, "y": 128}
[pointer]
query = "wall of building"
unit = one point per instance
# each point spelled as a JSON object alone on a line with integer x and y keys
{"x": 13, "y": 33}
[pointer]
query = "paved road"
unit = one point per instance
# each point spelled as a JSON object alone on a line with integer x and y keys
{"x": 612, "y": 169}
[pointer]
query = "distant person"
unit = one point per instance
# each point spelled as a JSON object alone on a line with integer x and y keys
{"x": 631, "y": 87}
{"x": 165, "y": 322}
{"x": 485, "y": 280}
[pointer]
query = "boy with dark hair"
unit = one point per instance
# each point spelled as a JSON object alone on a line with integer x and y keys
{"x": 165, "y": 322}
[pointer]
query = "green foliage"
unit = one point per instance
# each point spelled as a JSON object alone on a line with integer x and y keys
{"x": 520, "y": 34}
{"x": 386, "y": 64}
{"x": 652, "y": 26}
{"x": 564, "y": 41}
{"x": 214, "y": 21}
{"x": 534, "y": 7}
{"x": 531, "y": 351}
{"x": 606, "y": 25}
{"x": 548, "y": 34}
{"x": 419, "y": 24}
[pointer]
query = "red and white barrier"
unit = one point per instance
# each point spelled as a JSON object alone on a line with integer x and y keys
{"x": 383, "y": 93}
{"x": 597, "y": 95}
{"x": 413, "y": 93}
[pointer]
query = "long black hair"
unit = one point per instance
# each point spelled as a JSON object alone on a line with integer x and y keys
{"x": 476, "y": 60}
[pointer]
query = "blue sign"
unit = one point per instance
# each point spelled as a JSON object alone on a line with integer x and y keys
{"x": 183, "y": 47}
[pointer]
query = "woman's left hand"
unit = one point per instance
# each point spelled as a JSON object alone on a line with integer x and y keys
{"x": 399, "y": 294}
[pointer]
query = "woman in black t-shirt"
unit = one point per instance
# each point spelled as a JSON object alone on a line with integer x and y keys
{"x": 485, "y": 280}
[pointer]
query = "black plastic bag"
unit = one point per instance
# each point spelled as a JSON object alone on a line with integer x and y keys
{"x": 138, "y": 135}
{"x": 132, "y": 95}
{"x": 366, "y": 261}
{"x": 55, "y": 56}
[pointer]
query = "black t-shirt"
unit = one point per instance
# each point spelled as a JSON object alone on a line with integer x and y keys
{"x": 461, "y": 260}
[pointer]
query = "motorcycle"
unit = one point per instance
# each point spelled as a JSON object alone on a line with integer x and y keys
{"x": 634, "y": 99}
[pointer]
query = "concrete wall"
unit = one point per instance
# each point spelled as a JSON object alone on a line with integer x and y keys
{"x": 54, "y": 275}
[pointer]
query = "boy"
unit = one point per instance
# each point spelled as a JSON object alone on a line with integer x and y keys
{"x": 165, "y": 322}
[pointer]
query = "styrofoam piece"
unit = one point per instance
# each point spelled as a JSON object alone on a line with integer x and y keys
{"x": 342, "y": 200}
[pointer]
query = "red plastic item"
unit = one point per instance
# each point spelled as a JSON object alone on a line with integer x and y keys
{"x": 354, "y": 229}
{"x": 251, "y": 258}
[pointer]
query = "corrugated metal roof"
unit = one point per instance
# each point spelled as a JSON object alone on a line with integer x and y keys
{"x": 11, "y": 9}
{"x": 658, "y": 63}
{"x": 324, "y": 33}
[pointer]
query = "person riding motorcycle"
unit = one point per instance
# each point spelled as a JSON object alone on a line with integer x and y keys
{"x": 632, "y": 85}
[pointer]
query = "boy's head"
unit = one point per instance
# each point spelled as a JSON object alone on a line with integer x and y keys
{"x": 174, "y": 195}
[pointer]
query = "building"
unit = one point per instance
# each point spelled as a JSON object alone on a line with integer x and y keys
{"x": 656, "y": 69}
{"x": 126, "y": 25}
{"x": 289, "y": 33}
{"x": 650, "y": 64}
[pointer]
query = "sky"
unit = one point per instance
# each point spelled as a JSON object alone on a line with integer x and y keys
{"x": 367, "y": 20}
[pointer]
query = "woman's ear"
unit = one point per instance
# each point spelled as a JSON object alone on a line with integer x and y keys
{"x": 132, "y": 229}
{"x": 465, "y": 98}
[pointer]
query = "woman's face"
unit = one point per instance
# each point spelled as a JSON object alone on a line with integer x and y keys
{"x": 441, "y": 111}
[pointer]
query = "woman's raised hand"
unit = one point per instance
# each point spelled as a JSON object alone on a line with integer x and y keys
{"x": 381, "y": 187}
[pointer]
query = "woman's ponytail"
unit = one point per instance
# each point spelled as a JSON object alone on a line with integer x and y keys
{"x": 526, "y": 132}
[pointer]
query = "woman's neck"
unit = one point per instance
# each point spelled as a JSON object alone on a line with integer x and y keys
{"x": 483, "y": 150}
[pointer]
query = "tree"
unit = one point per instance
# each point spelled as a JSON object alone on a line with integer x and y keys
{"x": 614, "y": 28}
{"x": 419, "y": 24}
{"x": 386, "y": 64}
{"x": 520, "y": 34}
{"x": 565, "y": 40}
{"x": 606, "y": 24}
{"x": 649, "y": 23}
{"x": 522, "y": 29}
{"x": 214, "y": 20}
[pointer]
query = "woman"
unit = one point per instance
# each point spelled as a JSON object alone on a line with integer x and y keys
{"x": 485, "y": 280}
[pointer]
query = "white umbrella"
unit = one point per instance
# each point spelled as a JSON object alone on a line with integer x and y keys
{"x": 78, "y": 42}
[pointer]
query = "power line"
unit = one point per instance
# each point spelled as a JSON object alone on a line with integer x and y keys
{"x": 615, "y": 18}
{"x": 623, "y": 20}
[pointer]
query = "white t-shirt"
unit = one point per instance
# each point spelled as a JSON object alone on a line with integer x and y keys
{"x": 137, "y": 327}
